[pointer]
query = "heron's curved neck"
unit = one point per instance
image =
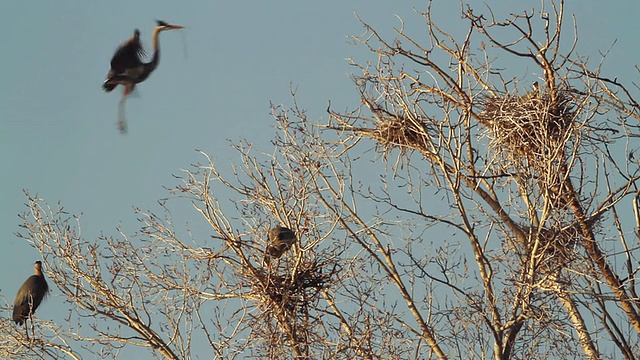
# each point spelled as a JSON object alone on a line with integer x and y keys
{"x": 156, "y": 46}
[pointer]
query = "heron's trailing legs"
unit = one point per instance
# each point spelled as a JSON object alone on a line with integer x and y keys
{"x": 122, "y": 121}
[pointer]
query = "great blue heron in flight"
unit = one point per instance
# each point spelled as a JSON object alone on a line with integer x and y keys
{"x": 29, "y": 297}
{"x": 127, "y": 67}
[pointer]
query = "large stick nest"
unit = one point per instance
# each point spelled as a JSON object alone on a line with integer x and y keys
{"x": 528, "y": 129}
{"x": 554, "y": 247}
{"x": 290, "y": 291}
{"x": 296, "y": 290}
{"x": 287, "y": 298}
{"x": 398, "y": 129}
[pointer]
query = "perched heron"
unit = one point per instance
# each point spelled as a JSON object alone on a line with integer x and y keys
{"x": 280, "y": 240}
{"x": 127, "y": 68}
{"x": 29, "y": 297}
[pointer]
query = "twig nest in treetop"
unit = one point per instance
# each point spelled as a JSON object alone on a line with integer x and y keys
{"x": 397, "y": 129}
{"x": 291, "y": 292}
{"x": 528, "y": 127}
{"x": 554, "y": 246}
{"x": 280, "y": 240}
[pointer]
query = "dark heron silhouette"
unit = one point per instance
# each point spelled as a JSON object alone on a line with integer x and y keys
{"x": 127, "y": 68}
{"x": 280, "y": 240}
{"x": 29, "y": 297}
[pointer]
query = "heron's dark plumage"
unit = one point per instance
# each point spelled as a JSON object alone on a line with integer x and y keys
{"x": 125, "y": 61}
{"x": 127, "y": 66}
{"x": 30, "y": 295}
{"x": 281, "y": 239}
{"x": 108, "y": 87}
{"x": 128, "y": 55}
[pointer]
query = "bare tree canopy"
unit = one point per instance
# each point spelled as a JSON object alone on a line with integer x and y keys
{"x": 462, "y": 210}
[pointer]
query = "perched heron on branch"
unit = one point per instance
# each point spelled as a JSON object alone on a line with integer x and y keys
{"x": 280, "y": 240}
{"x": 29, "y": 297}
{"x": 127, "y": 68}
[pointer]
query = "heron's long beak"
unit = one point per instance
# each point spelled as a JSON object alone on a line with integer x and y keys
{"x": 174, "y": 27}
{"x": 167, "y": 26}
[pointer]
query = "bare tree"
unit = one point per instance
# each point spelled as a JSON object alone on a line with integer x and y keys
{"x": 458, "y": 212}
{"x": 534, "y": 176}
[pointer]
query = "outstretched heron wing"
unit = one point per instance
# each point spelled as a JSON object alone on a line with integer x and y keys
{"x": 128, "y": 55}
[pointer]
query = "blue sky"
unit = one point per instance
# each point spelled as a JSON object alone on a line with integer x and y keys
{"x": 214, "y": 82}
{"x": 58, "y": 135}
